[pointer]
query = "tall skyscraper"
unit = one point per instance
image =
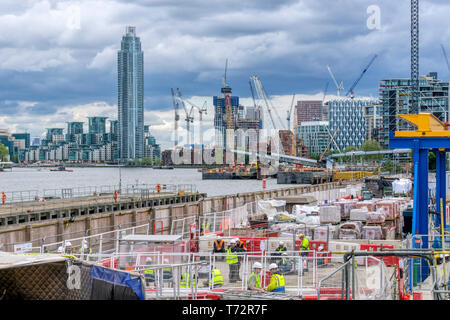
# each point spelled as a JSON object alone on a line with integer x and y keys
{"x": 130, "y": 61}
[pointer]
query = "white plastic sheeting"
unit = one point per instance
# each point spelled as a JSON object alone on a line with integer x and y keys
{"x": 401, "y": 186}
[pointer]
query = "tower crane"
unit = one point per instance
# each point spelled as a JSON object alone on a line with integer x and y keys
{"x": 262, "y": 95}
{"x": 339, "y": 87}
{"x": 445, "y": 57}
{"x": 289, "y": 112}
{"x": 200, "y": 110}
{"x": 350, "y": 91}
{"x": 176, "y": 118}
{"x": 189, "y": 117}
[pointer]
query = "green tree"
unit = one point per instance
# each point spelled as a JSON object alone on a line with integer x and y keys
{"x": 3, "y": 152}
{"x": 147, "y": 161}
{"x": 315, "y": 156}
{"x": 371, "y": 145}
{"x": 431, "y": 161}
{"x": 158, "y": 161}
{"x": 387, "y": 166}
{"x": 349, "y": 149}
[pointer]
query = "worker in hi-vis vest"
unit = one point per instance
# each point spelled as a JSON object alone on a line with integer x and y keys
{"x": 149, "y": 274}
{"x": 254, "y": 281}
{"x": 304, "y": 248}
{"x": 219, "y": 247}
{"x": 186, "y": 282}
{"x": 277, "y": 283}
{"x": 216, "y": 278}
{"x": 233, "y": 261}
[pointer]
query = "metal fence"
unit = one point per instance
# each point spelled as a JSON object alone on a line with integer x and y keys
{"x": 22, "y": 202}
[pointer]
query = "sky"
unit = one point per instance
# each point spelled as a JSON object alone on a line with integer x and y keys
{"x": 58, "y": 59}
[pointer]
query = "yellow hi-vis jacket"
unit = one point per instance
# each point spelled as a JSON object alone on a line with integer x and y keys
{"x": 216, "y": 278}
{"x": 257, "y": 280}
{"x": 304, "y": 246}
{"x": 277, "y": 283}
{"x": 231, "y": 258}
{"x": 185, "y": 283}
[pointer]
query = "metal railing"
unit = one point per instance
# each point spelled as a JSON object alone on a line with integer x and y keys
{"x": 25, "y": 202}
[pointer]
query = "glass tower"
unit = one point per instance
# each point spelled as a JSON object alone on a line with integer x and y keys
{"x": 130, "y": 61}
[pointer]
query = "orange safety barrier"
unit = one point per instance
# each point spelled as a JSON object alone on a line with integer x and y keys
{"x": 158, "y": 188}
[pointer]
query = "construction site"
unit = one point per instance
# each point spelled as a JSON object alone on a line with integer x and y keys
{"x": 345, "y": 231}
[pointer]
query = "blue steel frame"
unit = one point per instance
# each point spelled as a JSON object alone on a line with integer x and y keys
{"x": 420, "y": 147}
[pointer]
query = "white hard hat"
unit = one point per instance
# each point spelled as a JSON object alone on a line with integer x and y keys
{"x": 237, "y": 239}
{"x": 68, "y": 243}
{"x": 148, "y": 260}
{"x": 166, "y": 261}
{"x": 60, "y": 249}
{"x": 281, "y": 243}
{"x": 257, "y": 265}
{"x": 284, "y": 254}
{"x": 233, "y": 241}
{"x": 219, "y": 237}
{"x": 273, "y": 266}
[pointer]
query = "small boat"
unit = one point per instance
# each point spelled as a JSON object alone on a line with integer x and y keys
{"x": 61, "y": 168}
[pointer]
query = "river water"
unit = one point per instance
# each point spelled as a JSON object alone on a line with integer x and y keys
{"x": 24, "y": 179}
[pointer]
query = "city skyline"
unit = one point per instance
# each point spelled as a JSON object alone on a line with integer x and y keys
{"x": 62, "y": 67}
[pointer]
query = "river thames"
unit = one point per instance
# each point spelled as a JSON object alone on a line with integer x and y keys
{"x": 40, "y": 179}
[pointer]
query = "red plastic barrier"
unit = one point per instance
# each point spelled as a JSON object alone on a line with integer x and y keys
{"x": 388, "y": 260}
{"x": 107, "y": 263}
{"x": 417, "y": 295}
{"x": 205, "y": 296}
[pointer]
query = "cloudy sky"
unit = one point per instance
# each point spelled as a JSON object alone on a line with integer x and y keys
{"x": 58, "y": 59}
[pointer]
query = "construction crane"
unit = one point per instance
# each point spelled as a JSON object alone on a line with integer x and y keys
{"x": 325, "y": 92}
{"x": 189, "y": 117}
{"x": 228, "y": 106}
{"x": 263, "y": 96}
{"x": 253, "y": 94}
{"x": 415, "y": 56}
{"x": 289, "y": 112}
{"x": 339, "y": 87}
{"x": 445, "y": 57}
{"x": 329, "y": 143}
{"x": 350, "y": 91}
{"x": 176, "y": 118}
{"x": 200, "y": 110}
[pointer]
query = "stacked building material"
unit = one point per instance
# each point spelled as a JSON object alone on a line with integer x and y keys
{"x": 346, "y": 206}
{"x": 324, "y": 233}
{"x": 369, "y": 204}
{"x": 390, "y": 208}
{"x": 350, "y": 230}
{"x": 375, "y": 217}
{"x": 358, "y": 214}
{"x": 372, "y": 233}
{"x": 330, "y": 214}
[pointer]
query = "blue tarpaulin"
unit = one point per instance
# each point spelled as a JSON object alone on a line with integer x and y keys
{"x": 117, "y": 278}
